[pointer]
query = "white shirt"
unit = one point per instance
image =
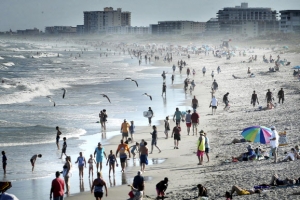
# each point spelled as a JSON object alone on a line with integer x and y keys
{"x": 274, "y": 143}
{"x": 214, "y": 102}
{"x": 291, "y": 155}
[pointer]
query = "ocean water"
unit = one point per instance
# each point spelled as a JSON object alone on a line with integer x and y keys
{"x": 28, "y": 119}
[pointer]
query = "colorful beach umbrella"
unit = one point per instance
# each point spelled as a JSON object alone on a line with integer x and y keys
{"x": 258, "y": 134}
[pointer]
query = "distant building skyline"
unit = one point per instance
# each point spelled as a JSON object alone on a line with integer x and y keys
{"x": 40, "y": 14}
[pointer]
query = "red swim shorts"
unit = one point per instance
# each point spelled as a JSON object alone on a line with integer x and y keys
{"x": 188, "y": 124}
{"x": 200, "y": 153}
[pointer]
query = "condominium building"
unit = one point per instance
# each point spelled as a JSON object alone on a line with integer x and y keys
{"x": 60, "y": 30}
{"x": 128, "y": 30}
{"x": 177, "y": 27}
{"x": 232, "y": 19}
{"x": 212, "y": 27}
{"x": 99, "y": 21}
{"x": 34, "y": 31}
{"x": 290, "y": 21}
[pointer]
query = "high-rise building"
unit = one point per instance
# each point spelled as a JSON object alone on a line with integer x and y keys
{"x": 177, "y": 27}
{"x": 99, "y": 21}
{"x": 233, "y": 19}
{"x": 212, "y": 27}
{"x": 290, "y": 21}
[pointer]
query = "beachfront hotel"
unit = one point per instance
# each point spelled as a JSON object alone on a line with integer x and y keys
{"x": 99, "y": 21}
{"x": 248, "y": 21}
{"x": 177, "y": 27}
{"x": 290, "y": 21}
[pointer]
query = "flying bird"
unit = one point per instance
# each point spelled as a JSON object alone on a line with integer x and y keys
{"x": 51, "y": 100}
{"x": 133, "y": 81}
{"x": 104, "y": 95}
{"x": 64, "y": 94}
{"x": 148, "y": 96}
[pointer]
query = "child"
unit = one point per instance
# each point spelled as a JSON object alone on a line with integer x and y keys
{"x": 167, "y": 126}
{"x": 33, "y": 159}
{"x": 90, "y": 161}
{"x": 112, "y": 160}
{"x": 131, "y": 129}
{"x": 134, "y": 148}
{"x": 64, "y": 148}
{"x": 4, "y": 161}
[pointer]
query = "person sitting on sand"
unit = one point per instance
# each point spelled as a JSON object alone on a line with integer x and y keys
{"x": 202, "y": 191}
{"x": 250, "y": 155}
{"x": 241, "y": 191}
{"x": 291, "y": 156}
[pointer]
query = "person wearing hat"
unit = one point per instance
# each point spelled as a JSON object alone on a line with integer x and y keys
{"x": 274, "y": 143}
{"x": 176, "y": 133}
{"x": 200, "y": 147}
{"x": 125, "y": 129}
{"x": 225, "y": 100}
{"x": 100, "y": 151}
{"x": 188, "y": 121}
{"x": 3, "y": 195}
{"x": 57, "y": 187}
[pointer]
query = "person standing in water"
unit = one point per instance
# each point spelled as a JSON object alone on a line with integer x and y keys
{"x": 81, "y": 163}
{"x": 112, "y": 160}
{"x": 172, "y": 77}
{"x": 57, "y": 137}
{"x": 33, "y": 159}
{"x": 97, "y": 187}
{"x": 149, "y": 118}
{"x": 131, "y": 130}
{"x": 4, "y": 162}
{"x": 164, "y": 89}
{"x": 64, "y": 148}
{"x": 100, "y": 151}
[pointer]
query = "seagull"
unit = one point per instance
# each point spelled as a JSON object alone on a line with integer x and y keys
{"x": 148, "y": 96}
{"x": 51, "y": 100}
{"x": 133, "y": 81}
{"x": 104, "y": 95}
{"x": 64, "y": 92}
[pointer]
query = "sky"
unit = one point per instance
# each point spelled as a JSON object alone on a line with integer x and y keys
{"x": 26, "y": 14}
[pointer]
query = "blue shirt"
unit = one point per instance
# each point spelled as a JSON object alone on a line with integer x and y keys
{"x": 178, "y": 114}
{"x": 131, "y": 128}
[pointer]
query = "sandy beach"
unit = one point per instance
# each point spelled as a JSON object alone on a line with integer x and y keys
{"x": 220, "y": 174}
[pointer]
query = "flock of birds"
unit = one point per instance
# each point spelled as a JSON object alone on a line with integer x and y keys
{"x": 103, "y": 95}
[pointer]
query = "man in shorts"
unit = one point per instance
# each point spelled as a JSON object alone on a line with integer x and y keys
{"x": 33, "y": 159}
{"x": 176, "y": 133}
{"x": 177, "y": 115}
{"x": 125, "y": 129}
{"x": 195, "y": 121}
{"x": 188, "y": 121}
{"x": 122, "y": 148}
{"x": 194, "y": 103}
{"x": 214, "y": 105}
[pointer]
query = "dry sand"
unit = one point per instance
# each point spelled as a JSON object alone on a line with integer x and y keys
{"x": 181, "y": 165}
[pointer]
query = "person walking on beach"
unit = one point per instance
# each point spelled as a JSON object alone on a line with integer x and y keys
{"x": 214, "y": 85}
{"x": 207, "y": 147}
{"x": 269, "y": 96}
{"x": 164, "y": 89}
{"x": 112, "y": 160}
{"x": 225, "y": 100}
{"x": 64, "y": 148}
{"x": 194, "y": 103}
{"x": 188, "y": 121}
{"x": 66, "y": 173}
{"x": 131, "y": 130}
{"x": 167, "y": 126}
{"x": 33, "y": 159}
{"x": 274, "y": 143}
{"x": 280, "y": 96}
{"x": 81, "y": 163}
{"x": 195, "y": 121}
{"x": 57, "y": 187}
{"x": 201, "y": 147}
{"x": 173, "y": 67}
{"x": 97, "y": 187}
{"x": 154, "y": 139}
{"x": 254, "y": 99}
{"x": 125, "y": 129}
{"x": 91, "y": 162}
{"x": 176, "y": 133}
{"x": 212, "y": 74}
{"x": 172, "y": 77}
{"x": 177, "y": 115}
{"x": 214, "y": 105}
{"x": 204, "y": 70}
{"x": 58, "y": 133}
{"x": 219, "y": 69}
{"x": 122, "y": 148}
{"x": 4, "y": 162}
{"x": 143, "y": 155}
{"x": 100, "y": 151}
{"x": 150, "y": 118}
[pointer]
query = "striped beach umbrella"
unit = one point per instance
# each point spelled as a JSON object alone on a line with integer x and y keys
{"x": 257, "y": 134}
